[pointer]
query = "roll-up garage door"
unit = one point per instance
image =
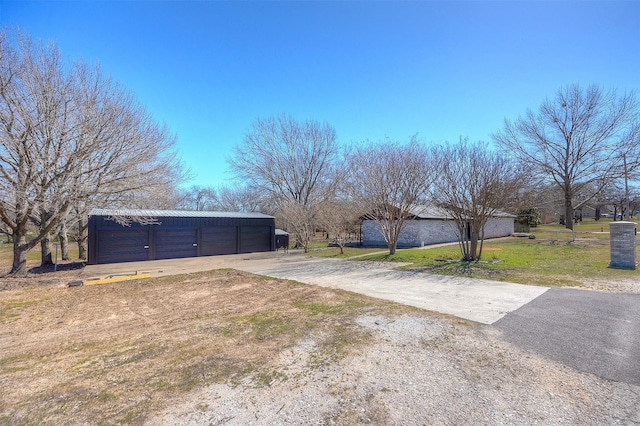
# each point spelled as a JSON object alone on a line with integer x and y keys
{"x": 122, "y": 246}
{"x": 219, "y": 240}
{"x": 255, "y": 238}
{"x": 175, "y": 243}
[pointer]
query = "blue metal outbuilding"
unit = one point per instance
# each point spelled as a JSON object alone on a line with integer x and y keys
{"x": 136, "y": 235}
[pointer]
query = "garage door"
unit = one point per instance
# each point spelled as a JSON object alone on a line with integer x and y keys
{"x": 122, "y": 246}
{"x": 255, "y": 238}
{"x": 175, "y": 243}
{"x": 219, "y": 240}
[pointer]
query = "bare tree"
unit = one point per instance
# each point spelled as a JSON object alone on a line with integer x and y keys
{"x": 473, "y": 185}
{"x": 614, "y": 195}
{"x": 288, "y": 158}
{"x": 70, "y": 137}
{"x": 225, "y": 198}
{"x": 579, "y": 139}
{"x": 200, "y": 198}
{"x": 338, "y": 217}
{"x": 236, "y": 198}
{"x": 391, "y": 182}
{"x": 299, "y": 220}
{"x": 634, "y": 201}
{"x": 292, "y": 162}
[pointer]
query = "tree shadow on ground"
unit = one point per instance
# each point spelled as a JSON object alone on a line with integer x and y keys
{"x": 70, "y": 266}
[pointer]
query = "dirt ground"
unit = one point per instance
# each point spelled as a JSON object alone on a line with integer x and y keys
{"x": 225, "y": 347}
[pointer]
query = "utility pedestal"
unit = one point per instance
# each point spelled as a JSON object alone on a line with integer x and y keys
{"x": 623, "y": 245}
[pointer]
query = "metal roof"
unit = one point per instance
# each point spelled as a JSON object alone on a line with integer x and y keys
{"x": 430, "y": 212}
{"x": 435, "y": 212}
{"x": 175, "y": 213}
{"x": 439, "y": 213}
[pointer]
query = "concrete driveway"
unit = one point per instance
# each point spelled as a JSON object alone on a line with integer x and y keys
{"x": 476, "y": 300}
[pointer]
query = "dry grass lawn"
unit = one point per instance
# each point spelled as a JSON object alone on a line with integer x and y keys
{"x": 113, "y": 353}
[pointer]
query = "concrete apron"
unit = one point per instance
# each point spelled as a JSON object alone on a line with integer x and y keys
{"x": 477, "y": 300}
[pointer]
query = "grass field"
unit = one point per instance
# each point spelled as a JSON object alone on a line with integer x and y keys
{"x": 6, "y": 255}
{"x": 588, "y": 228}
{"x": 33, "y": 257}
{"x": 556, "y": 257}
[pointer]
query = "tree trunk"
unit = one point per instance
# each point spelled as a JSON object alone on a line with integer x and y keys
{"x": 462, "y": 240}
{"x": 45, "y": 250}
{"x": 82, "y": 249}
{"x": 306, "y": 238}
{"x": 45, "y": 242}
{"x": 473, "y": 252}
{"x": 468, "y": 250}
{"x": 83, "y": 238}
{"x": 393, "y": 234}
{"x": 481, "y": 239}
{"x": 64, "y": 243}
{"x": 20, "y": 250}
{"x": 568, "y": 210}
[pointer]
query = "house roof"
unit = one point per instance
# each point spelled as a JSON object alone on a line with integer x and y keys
{"x": 426, "y": 212}
{"x": 430, "y": 212}
{"x": 435, "y": 212}
{"x": 175, "y": 213}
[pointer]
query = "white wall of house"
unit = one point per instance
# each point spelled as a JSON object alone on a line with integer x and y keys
{"x": 371, "y": 235}
{"x": 498, "y": 227}
{"x": 417, "y": 233}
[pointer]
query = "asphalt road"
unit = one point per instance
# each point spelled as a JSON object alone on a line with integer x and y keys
{"x": 590, "y": 331}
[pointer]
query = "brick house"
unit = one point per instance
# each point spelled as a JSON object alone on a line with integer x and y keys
{"x": 433, "y": 225}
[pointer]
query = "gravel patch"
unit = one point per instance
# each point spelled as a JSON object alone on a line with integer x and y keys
{"x": 414, "y": 370}
{"x": 613, "y": 286}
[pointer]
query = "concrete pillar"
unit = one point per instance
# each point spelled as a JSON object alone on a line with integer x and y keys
{"x": 623, "y": 244}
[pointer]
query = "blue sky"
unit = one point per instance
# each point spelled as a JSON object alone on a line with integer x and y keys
{"x": 372, "y": 69}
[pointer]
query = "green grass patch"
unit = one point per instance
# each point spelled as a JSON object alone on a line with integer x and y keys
{"x": 34, "y": 255}
{"x": 336, "y": 346}
{"x": 587, "y": 226}
{"x": 314, "y": 309}
{"x": 22, "y": 362}
{"x": 542, "y": 261}
{"x": 267, "y": 378}
{"x": 259, "y": 326}
{"x": 10, "y": 311}
{"x": 6, "y": 255}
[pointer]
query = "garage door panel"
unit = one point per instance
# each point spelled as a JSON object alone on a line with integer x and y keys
{"x": 175, "y": 243}
{"x": 122, "y": 246}
{"x": 255, "y": 238}
{"x": 219, "y": 240}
